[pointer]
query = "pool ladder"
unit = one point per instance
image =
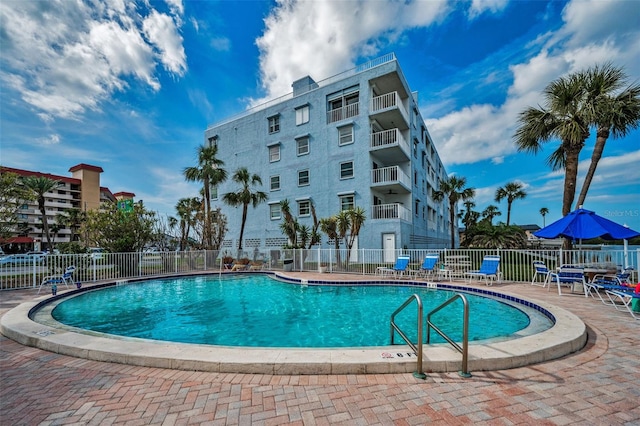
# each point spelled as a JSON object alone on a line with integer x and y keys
{"x": 417, "y": 349}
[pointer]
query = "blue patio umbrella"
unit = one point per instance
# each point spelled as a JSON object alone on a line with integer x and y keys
{"x": 582, "y": 224}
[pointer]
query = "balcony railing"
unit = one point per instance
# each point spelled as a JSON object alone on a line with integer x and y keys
{"x": 386, "y": 101}
{"x": 343, "y": 113}
{"x": 389, "y": 138}
{"x": 392, "y": 174}
{"x": 390, "y": 211}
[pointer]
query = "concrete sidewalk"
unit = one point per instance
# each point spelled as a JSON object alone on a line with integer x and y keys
{"x": 598, "y": 385}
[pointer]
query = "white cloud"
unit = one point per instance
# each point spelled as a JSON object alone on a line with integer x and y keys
{"x": 65, "y": 57}
{"x": 161, "y": 30}
{"x": 478, "y": 7}
{"x": 53, "y": 139}
{"x": 323, "y": 38}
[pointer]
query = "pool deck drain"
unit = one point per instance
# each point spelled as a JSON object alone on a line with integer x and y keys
{"x": 568, "y": 335}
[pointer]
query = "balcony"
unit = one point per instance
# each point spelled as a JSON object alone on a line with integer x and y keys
{"x": 390, "y": 211}
{"x": 343, "y": 113}
{"x": 391, "y": 178}
{"x": 391, "y": 144}
{"x": 389, "y": 111}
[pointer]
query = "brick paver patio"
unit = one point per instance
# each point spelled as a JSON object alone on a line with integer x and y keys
{"x": 598, "y": 385}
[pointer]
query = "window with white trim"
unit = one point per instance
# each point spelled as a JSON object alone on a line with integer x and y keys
{"x": 303, "y": 145}
{"x": 347, "y": 202}
{"x": 275, "y": 183}
{"x": 274, "y": 153}
{"x": 346, "y": 170}
{"x": 302, "y": 115}
{"x": 304, "y": 208}
{"x": 274, "y": 124}
{"x": 274, "y": 211}
{"x": 345, "y": 135}
{"x": 303, "y": 178}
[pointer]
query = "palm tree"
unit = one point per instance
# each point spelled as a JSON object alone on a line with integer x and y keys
{"x": 490, "y": 212}
{"x": 244, "y": 196}
{"x": 209, "y": 172}
{"x": 187, "y": 209}
{"x": 511, "y": 191}
{"x": 615, "y": 115}
{"x": 544, "y": 211}
{"x": 564, "y": 116}
{"x": 73, "y": 219}
{"x": 40, "y": 185}
{"x": 453, "y": 188}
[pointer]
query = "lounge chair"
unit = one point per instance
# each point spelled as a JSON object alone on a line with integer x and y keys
{"x": 489, "y": 270}
{"x": 602, "y": 283}
{"x": 402, "y": 263}
{"x": 628, "y": 299}
{"x": 65, "y": 278}
{"x": 540, "y": 269}
{"x": 568, "y": 275}
{"x": 428, "y": 266}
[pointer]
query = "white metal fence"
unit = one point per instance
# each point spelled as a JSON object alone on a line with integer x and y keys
{"x": 515, "y": 265}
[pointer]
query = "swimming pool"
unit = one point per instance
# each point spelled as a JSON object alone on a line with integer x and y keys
{"x": 31, "y": 324}
{"x": 259, "y": 311}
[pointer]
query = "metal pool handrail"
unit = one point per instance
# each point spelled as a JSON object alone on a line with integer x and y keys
{"x": 394, "y": 326}
{"x": 464, "y": 350}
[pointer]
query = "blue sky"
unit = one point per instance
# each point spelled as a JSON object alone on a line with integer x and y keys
{"x": 131, "y": 86}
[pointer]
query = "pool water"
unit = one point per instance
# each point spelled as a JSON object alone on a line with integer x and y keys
{"x": 258, "y": 311}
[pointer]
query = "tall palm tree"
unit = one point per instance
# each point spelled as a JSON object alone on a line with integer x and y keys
{"x": 39, "y": 186}
{"x": 511, "y": 191}
{"x": 244, "y": 196}
{"x": 564, "y": 116}
{"x": 469, "y": 217}
{"x": 544, "y": 212}
{"x": 490, "y": 212}
{"x": 454, "y": 189}
{"x": 614, "y": 115}
{"x": 210, "y": 173}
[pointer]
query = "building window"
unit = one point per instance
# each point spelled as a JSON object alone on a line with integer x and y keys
{"x": 214, "y": 192}
{"x": 345, "y": 135}
{"x": 275, "y": 183}
{"x": 303, "y": 178}
{"x": 302, "y": 115}
{"x": 274, "y": 124}
{"x": 274, "y": 153}
{"x": 347, "y": 202}
{"x": 346, "y": 170}
{"x": 274, "y": 211}
{"x": 304, "y": 208}
{"x": 303, "y": 145}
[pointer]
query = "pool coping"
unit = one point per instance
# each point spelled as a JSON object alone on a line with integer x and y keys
{"x": 567, "y": 335}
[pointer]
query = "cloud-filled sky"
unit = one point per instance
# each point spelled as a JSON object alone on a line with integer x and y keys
{"x": 131, "y": 86}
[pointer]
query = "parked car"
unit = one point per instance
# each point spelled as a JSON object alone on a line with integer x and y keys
{"x": 96, "y": 253}
{"x": 22, "y": 259}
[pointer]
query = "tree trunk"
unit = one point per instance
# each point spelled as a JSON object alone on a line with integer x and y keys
{"x": 244, "y": 220}
{"x": 598, "y": 149}
{"x": 508, "y": 213}
{"x": 45, "y": 223}
{"x": 570, "y": 178}
{"x": 452, "y": 218}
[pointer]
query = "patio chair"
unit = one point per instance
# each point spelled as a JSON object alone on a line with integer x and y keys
{"x": 65, "y": 278}
{"x": 489, "y": 270}
{"x": 568, "y": 275}
{"x": 628, "y": 300}
{"x": 600, "y": 284}
{"x": 428, "y": 266}
{"x": 400, "y": 267}
{"x": 625, "y": 275}
{"x": 540, "y": 269}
